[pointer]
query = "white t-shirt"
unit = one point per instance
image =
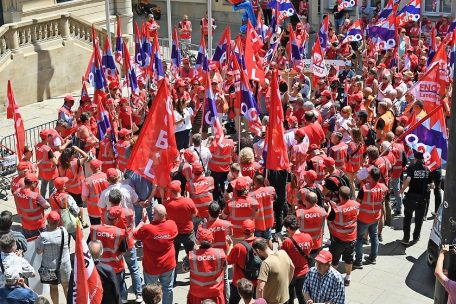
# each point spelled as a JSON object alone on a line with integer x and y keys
{"x": 186, "y": 124}
{"x": 129, "y": 196}
{"x": 204, "y": 153}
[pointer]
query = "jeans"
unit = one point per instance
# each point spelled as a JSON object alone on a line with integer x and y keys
{"x": 132, "y": 263}
{"x": 395, "y": 184}
{"x": 235, "y": 298}
{"x": 46, "y": 184}
{"x": 166, "y": 280}
{"x": 373, "y": 234}
{"x": 138, "y": 213}
{"x": 295, "y": 288}
{"x": 123, "y": 287}
{"x": 32, "y": 233}
{"x": 339, "y": 23}
{"x": 265, "y": 234}
{"x": 196, "y": 222}
{"x": 94, "y": 220}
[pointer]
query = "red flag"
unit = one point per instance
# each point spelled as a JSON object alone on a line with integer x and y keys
{"x": 252, "y": 35}
{"x": 318, "y": 62}
{"x": 12, "y": 112}
{"x": 86, "y": 288}
{"x": 254, "y": 67}
{"x": 155, "y": 151}
{"x": 277, "y": 156}
{"x": 430, "y": 87}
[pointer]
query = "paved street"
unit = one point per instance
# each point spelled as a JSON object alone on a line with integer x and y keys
{"x": 401, "y": 275}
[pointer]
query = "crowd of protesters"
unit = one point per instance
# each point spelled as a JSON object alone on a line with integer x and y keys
{"x": 347, "y": 173}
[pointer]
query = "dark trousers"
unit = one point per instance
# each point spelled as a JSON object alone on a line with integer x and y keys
{"x": 188, "y": 240}
{"x": 182, "y": 139}
{"x": 278, "y": 180}
{"x": 267, "y": 14}
{"x": 295, "y": 290}
{"x": 219, "y": 184}
{"x": 436, "y": 177}
{"x": 94, "y": 221}
{"x": 412, "y": 205}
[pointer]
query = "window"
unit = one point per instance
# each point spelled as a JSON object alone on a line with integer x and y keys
{"x": 61, "y": 1}
{"x": 437, "y": 7}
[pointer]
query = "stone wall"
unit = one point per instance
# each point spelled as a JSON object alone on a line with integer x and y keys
{"x": 44, "y": 70}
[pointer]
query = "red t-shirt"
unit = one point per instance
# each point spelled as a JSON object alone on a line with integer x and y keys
{"x": 237, "y": 259}
{"x": 158, "y": 246}
{"x": 304, "y": 241}
{"x": 315, "y": 134}
{"x": 181, "y": 210}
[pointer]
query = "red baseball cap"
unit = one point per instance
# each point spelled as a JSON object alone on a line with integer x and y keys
{"x": 53, "y": 217}
{"x": 204, "y": 235}
{"x": 313, "y": 147}
{"x": 311, "y": 175}
{"x": 241, "y": 184}
{"x": 59, "y": 182}
{"x": 95, "y": 163}
{"x": 189, "y": 156}
{"x": 113, "y": 85}
{"x": 115, "y": 213}
{"x": 324, "y": 257}
{"x": 292, "y": 120}
{"x": 124, "y": 132}
{"x": 197, "y": 168}
{"x": 174, "y": 186}
{"x": 31, "y": 177}
{"x": 300, "y": 133}
{"x": 68, "y": 98}
{"x": 124, "y": 100}
{"x": 112, "y": 173}
{"x": 326, "y": 93}
{"x": 248, "y": 226}
{"x": 44, "y": 133}
{"x": 329, "y": 161}
{"x": 21, "y": 166}
{"x": 398, "y": 75}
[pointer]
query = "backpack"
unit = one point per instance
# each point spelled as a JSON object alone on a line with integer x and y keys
{"x": 252, "y": 263}
{"x": 343, "y": 179}
{"x": 371, "y": 137}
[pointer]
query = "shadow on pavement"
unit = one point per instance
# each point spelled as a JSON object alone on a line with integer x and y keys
{"x": 391, "y": 248}
{"x": 421, "y": 277}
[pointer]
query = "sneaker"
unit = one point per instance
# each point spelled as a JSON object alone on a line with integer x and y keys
{"x": 370, "y": 261}
{"x": 405, "y": 242}
{"x": 357, "y": 265}
{"x": 138, "y": 244}
{"x": 347, "y": 282}
{"x": 397, "y": 213}
{"x": 414, "y": 241}
{"x": 139, "y": 299}
{"x": 380, "y": 238}
{"x": 124, "y": 301}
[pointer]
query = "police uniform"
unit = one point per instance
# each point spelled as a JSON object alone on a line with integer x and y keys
{"x": 415, "y": 198}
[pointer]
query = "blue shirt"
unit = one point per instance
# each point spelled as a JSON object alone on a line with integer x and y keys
{"x": 17, "y": 295}
{"x": 327, "y": 288}
{"x": 141, "y": 185}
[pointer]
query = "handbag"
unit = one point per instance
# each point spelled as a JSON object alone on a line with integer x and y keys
{"x": 69, "y": 221}
{"x": 52, "y": 276}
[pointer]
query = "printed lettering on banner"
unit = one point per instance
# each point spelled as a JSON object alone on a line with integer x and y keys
{"x": 428, "y": 91}
{"x": 307, "y": 64}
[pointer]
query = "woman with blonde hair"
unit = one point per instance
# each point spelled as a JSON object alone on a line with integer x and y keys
{"x": 249, "y": 167}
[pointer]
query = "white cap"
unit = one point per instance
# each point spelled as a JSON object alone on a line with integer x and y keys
{"x": 362, "y": 174}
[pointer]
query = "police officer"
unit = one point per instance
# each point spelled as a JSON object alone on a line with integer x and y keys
{"x": 418, "y": 182}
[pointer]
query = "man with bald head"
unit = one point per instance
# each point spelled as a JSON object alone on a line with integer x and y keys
{"x": 159, "y": 261}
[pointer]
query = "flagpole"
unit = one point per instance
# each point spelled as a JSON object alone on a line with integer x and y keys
{"x": 108, "y": 20}
{"x": 209, "y": 32}
{"x": 168, "y": 17}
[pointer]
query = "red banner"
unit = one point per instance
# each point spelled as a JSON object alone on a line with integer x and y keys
{"x": 12, "y": 112}
{"x": 155, "y": 151}
{"x": 277, "y": 156}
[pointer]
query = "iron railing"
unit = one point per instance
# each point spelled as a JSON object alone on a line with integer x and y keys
{"x": 32, "y": 137}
